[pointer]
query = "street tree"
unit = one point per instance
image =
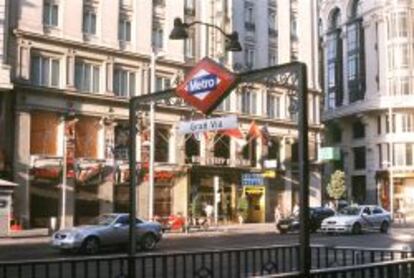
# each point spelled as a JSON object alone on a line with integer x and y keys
{"x": 336, "y": 186}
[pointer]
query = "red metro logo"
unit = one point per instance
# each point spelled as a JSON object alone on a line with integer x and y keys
{"x": 206, "y": 85}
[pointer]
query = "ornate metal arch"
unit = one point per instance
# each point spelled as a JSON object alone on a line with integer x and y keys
{"x": 292, "y": 77}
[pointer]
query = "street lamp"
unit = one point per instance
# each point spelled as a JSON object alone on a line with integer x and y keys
{"x": 154, "y": 56}
{"x": 179, "y": 32}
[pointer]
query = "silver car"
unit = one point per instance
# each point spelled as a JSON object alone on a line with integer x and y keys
{"x": 107, "y": 230}
{"x": 355, "y": 219}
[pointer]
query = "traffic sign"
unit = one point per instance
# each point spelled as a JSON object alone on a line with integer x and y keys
{"x": 212, "y": 124}
{"x": 206, "y": 85}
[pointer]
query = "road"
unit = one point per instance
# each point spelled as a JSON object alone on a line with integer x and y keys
{"x": 396, "y": 239}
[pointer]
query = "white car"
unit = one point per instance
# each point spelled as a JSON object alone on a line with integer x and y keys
{"x": 355, "y": 219}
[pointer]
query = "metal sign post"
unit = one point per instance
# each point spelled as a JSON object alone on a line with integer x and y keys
{"x": 291, "y": 76}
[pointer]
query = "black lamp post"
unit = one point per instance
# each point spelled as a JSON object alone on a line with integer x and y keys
{"x": 179, "y": 32}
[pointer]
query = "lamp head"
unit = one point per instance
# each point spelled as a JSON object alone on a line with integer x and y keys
{"x": 232, "y": 42}
{"x": 179, "y": 32}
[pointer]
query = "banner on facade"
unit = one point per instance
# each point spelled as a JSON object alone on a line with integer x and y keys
{"x": 211, "y": 124}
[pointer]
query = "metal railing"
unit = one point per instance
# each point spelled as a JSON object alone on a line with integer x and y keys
{"x": 389, "y": 269}
{"x": 235, "y": 262}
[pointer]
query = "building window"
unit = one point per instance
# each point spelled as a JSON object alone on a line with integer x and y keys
{"x": 358, "y": 130}
{"x": 89, "y": 21}
{"x": 379, "y": 124}
{"x": 162, "y": 136}
{"x": 379, "y": 147}
{"x": 272, "y": 58}
{"x": 403, "y": 154}
{"x": 407, "y": 122}
{"x": 224, "y": 105}
{"x": 273, "y": 106}
{"x": 249, "y": 17}
{"x": 272, "y": 19}
{"x": 162, "y": 83}
{"x": 50, "y": 14}
{"x": 124, "y": 83}
{"x": 189, "y": 46}
{"x": 192, "y": 147}
{"x": 44, "y": 71}
{"x": 86, "y": 77}
{"x": 249, "y": 56}
{"x": 359, "y": 189}
{"x": 294, "y": 27}
{"x": 247, "y": 102}
{"x": 359, "y": 158}
{"x": 334, "y": 63}
{"x": 355, "y": 60}
{"x": 124, "y": 30}
{"x": 158, "y": 37}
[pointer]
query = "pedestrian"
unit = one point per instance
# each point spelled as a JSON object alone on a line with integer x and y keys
{"x": 208, "y": 209}
{"x": 295, "y": 209}
{"x": 278, "y": 215}
{"x": 401, "y": 213}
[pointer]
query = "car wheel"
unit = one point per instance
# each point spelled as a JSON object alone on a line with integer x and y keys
{"x": 356, "y": 228}
{"x": 90, "y": 246}
{"x": 148, "y": 242}
{"x": 384, "y": 227}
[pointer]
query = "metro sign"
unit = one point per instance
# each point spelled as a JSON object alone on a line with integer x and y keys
{"x": 206, "y": 85}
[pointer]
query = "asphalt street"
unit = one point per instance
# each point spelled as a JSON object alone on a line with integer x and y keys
{"x": 401, "y": 239}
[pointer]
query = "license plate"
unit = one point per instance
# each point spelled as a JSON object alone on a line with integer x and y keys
{"x": 284, "y": 226}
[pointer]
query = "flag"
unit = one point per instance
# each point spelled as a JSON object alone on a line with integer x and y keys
{"x": 254, "y": 131}
{"x": 266, "y": 140}
{"x": 233, "y": 132}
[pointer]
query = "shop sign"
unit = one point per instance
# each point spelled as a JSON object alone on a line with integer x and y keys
{"x": 206, "y": 85}
{"x": 254, "y": 190}
{"x": 220, "y": 161}
{"x": 329, "y": 153}
{"x": 46, "y": 169}
{"x": 270, "y": 163}
{"x": 212, "y": 124}
{"x": 269, "y": 174}
{"x": 249, "y": 179}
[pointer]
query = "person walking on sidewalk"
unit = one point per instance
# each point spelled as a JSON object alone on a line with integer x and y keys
{"x": 278, "y": 216}
{"x": 208, "y": 209}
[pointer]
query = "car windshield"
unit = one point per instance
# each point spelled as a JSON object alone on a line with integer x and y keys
{"x": 103, "y": 220}
{"x": 350, "y": 211}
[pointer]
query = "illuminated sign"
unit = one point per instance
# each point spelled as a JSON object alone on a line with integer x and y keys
{"x": 206, "y": 85}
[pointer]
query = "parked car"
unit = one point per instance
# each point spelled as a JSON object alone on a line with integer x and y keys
{"x": 355, "y": 219}
{"x": 107, "y": 230}
{"x": 317, "y": 214}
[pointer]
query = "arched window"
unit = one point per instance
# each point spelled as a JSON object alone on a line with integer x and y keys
{"x": 334, "y": 61}
{"x": 355, "y": 54}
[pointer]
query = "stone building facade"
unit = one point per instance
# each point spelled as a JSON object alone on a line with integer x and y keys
{"x": 72, "y": 80}
{"x": 368, "y": 112}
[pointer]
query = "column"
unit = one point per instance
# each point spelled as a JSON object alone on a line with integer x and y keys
{"x": 172, "y": 145}
{"x": 106, "y": 147}
{"x": 286, "y": 158}
{"x": 110, "y": 75}
{"x": 21, "y": 167}
{"x": 70, "y": 75}
{"x": 23, "y": 69}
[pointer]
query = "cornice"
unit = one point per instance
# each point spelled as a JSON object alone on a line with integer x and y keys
{"x": 72, "y": 44}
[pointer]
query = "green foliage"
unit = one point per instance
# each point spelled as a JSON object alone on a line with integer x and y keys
{"x": 336, "y": 187}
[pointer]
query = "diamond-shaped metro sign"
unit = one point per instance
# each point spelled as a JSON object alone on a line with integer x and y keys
{"x": 206, "y": 85}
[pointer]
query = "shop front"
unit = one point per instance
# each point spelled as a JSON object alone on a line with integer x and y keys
{"x": 202, "y": 191}
{"x": 403, "y": 182}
